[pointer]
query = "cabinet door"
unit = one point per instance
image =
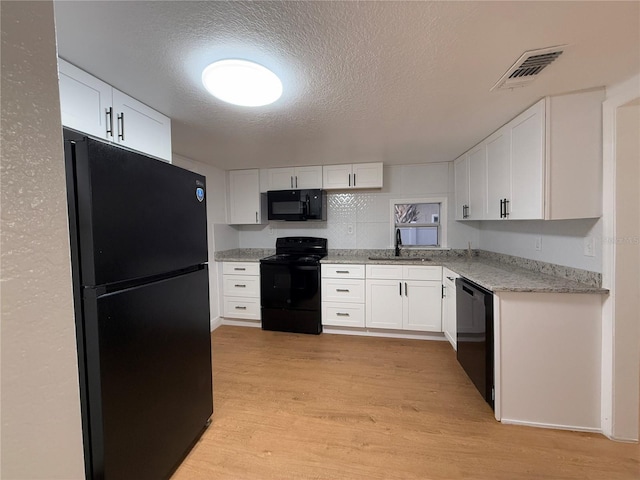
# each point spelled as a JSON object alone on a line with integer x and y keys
{"x": 367, "y": 175}
{"x": 280, "y": 178}
{"x": 461, "y": 179}
{"x": 449, "y": 307}
{"x": 477, "y": 182}
{"x": 527, "y": 164}
{"x": 84, "y": 101}
{"x": 336, "y": 176}
{"x": 498, "y": 174}
{"x": 384, "y": 304}
{"x": 244, "y": 197}
{"x": 422, "y": 306}
{"x": 308, "y": 177}
{"x": 141, "y": 128}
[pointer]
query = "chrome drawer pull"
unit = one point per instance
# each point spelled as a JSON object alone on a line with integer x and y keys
{"x": 342, "y": 290}
{"x": 240, "y": 308}
{"x": 240, "y": 286}
{"x": 239, "y": 269}
{"x": 340, "y": 314}
{"x": 342, "y": 271}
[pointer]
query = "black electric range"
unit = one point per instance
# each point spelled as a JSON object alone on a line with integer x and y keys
{"x": 290, "y": 285}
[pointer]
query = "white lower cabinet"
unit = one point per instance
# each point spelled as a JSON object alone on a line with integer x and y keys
{"x": 343, "y": 295}
{"x": 404, "y": 297}
{"x": 449, "y": 305}
{"x": 241, "y": 290}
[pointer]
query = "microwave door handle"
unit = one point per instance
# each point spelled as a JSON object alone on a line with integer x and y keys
{"x": 307, "y": 206}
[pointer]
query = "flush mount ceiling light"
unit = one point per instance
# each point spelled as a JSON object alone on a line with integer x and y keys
{"x": 241, "y": 82}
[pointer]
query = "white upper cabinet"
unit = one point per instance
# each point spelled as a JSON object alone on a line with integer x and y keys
{"x": 527, "y": 166}
{"x": 469, "y": 172}
{"x": 477, "y": 183}
{"x": 140, "y": 127}
{"x": 85, "y": 101}
{"x": 461, "y": 180}
{"x": 91, "y": 106}
{"x": 498, "y": 174}
{"x": 545, "y": 164}
{"x": 246, "y": 203}
{"x": 357, "y": 175}
{"x": 288, "y": 178}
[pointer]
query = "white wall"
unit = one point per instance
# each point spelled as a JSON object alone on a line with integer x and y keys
{"x": 361, "y": 218}
{"x": 562, "y": 241}
{"x": 41, "y": 427}
{"x": 220, "y": 235}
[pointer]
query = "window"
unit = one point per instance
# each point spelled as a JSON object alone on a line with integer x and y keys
{"x": 419, "y": 221}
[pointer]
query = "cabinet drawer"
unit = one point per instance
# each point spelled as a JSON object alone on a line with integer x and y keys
{"x": 239, "y": 307}
{"x": 384, "y": 271}
{"x": 241, "y": 268}
{"x": 336, "y": 270}
{"x": 343, "y": 314}
{"x": 419, "y": 272}
{"x": 241, "y": 286}
{"x": 342, "y": 290}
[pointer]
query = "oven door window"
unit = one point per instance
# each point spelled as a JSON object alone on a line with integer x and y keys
{"x": 290, "y": 287}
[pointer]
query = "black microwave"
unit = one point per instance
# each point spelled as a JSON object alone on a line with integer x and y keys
{"x": 297, "y": 205}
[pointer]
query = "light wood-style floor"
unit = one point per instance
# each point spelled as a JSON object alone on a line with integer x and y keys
{"x": 333, "y": 407}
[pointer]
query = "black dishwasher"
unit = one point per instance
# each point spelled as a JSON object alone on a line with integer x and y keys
{"x": 474, "y": 332}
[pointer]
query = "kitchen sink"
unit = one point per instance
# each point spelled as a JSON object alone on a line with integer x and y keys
{"x": 401, "y": 259}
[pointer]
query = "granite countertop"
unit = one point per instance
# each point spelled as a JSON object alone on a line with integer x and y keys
{"x": 500, "y": 277}
{"x": 490, "y": 274}
{"x": 243, "y": 254}
{"x": 487, "y": 271}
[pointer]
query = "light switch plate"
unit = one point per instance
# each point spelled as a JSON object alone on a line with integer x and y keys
{"x": 538, "y": 244}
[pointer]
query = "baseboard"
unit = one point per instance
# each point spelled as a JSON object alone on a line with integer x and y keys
{"x": 365, "y": 332}
{"x": 215, "y": 323}
{"x": 621, "y": 439}
{"x": 236, "y": 322}
{"x": 551, "y": 425}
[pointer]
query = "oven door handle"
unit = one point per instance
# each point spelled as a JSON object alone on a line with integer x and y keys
{"x": 305, "y": 268}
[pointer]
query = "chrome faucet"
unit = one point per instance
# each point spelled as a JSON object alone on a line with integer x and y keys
{"x": 398, "y": 241}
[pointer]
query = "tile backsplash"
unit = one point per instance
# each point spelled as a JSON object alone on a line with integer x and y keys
{"x": 354, "y": 220}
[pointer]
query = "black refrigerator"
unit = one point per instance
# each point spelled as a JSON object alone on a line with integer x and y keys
{"x": 141, "y": 296}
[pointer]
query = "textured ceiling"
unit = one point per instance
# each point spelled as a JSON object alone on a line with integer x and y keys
{"x": 399, "y": 82}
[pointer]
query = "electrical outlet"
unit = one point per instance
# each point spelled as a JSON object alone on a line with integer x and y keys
{"x": 350, "y": 229}
{"x": 538, "y": 244}
{"x": 270, "y": 230}
{"x": 589, "y": 246}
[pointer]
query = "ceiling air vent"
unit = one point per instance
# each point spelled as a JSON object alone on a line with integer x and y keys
{"x": 527, "y": 67}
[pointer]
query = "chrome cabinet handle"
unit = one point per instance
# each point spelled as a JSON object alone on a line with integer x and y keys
{"x": 240, "y": 269}
{"x": 291, "y": 180}
{"x": 340, "y": 314}
{"x": 342, "y": 271}
{"x": 296, "y": 181}
{"x": 109, "y": 120}
{"x": 238, "y": 285}
{"x": 349, "y": 179}
{"x": 400, "y": 285}
{"x": 256, "y": 217}
{"x": 354, "y": 179}
{"x": 342, "y": 290}
{"x": 406, "y": 290}
{"x": 238, "y": 307}
{"x": 450, "y": 278}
